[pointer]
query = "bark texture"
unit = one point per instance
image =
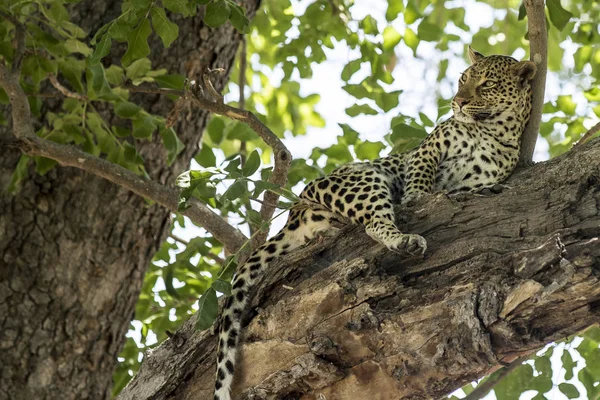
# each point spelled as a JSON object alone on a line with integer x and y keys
{"x": 344, "y": 318}
{"x": 74, "y": 248}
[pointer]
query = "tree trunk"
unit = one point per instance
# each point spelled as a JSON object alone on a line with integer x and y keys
{"x": 347, "y": 319}
{"x": 74, "y": 248}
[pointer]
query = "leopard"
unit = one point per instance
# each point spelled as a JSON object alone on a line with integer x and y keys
{"x": 475, "y": 149}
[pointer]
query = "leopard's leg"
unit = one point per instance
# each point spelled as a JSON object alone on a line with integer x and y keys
{"x": 364, "y": 196}
{"x": 302, "y": 225}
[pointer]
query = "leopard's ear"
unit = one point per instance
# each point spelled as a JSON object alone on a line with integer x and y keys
{"x": 474, "y": 55}
{"x": 524, "y": 71}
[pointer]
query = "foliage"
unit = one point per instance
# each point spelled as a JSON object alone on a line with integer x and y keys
{"x": 286, "y": 42}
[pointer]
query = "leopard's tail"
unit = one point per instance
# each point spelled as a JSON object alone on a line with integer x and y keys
{"x": 301, "y": 226}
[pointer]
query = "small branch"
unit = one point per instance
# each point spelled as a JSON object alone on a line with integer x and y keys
{"x": 282, "y": 156}
{"x": 19, "y": 39}
{"x": 178, "y": 239}
{"x": 483, "y": 389}
{"x": 588, "y": 135}
{"x": 66, "y": 92}
{"x": 538, "y": 43}
{"x": 209, "y": 86}
{"x": 21, "y": 114}
{"x": 242, "y": 73}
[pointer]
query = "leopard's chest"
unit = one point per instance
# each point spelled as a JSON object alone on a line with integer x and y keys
{"x": 474, "y": 161}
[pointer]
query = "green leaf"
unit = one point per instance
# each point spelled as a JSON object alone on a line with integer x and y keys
{"x": 403, "y": 131}
{"x": 206, "y": 157}
{"x": 350, "y": 134}
{"x": 568, "y": 364}
{"x": 75, "y": 46}
{"x": 114, "y": 75}
{"x": 350, "y": 69}
{"x": 238, "y": 17}
{"x": 171, "y": 142}
{"x": 168, "y": 279}
{"x": 241, "y": 131}
{"x": 391, "y": 38}
{"x": 217, "y": 13}
{"x": 356, "y": 109}
{"x": 558, "y": 15}
{"x": 143, "y": 127}
{"x": 411, "y": 40}
{"x": 18, "y": 175}
{"x": 167, "y": 30}
{"x": 252, "y": 164}
{"x": 368, "y": 150}
{"x": 170, "y": 81}
{"x": 236, "y": 190}
{"x": 395, "y": 7}
{"x": 411, "y": 13}
{"x": 221, "y": 286}
{"x": 429, "y": 32}
{"x": 207, "y": 309}
{"x": 126, "y": 109}
{"x": 137, "y": 43}
{"x": 138, "y": 68}
{"x": 569, "y": 390}
{"x": 369, "y": 25}
{"x": 101, "y": 49}
{"x": 177, "y": 6}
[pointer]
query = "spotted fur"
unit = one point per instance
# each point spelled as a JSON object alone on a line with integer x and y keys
{"x": 476, "y": 148}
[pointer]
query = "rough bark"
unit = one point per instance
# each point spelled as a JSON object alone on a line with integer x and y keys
{"x": 74, "y": 248}
{"x": 347, "y": 319}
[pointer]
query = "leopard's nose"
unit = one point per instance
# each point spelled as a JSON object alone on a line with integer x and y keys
{"x": 461, "y": 101}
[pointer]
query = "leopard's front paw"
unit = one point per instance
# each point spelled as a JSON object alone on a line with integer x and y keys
{"x": 412, "y": 244}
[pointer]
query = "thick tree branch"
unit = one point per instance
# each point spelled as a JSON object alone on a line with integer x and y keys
{"x": 32, "y": 145}
{"x": 199, "y": 213}
{"x": 282, "y": 156}
{"x": 538, "y": 43}
{"x": 503, "y": 276}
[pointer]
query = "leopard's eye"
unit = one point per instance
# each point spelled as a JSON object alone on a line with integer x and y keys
{"x": 488, "y": 84}
{"x": 463, "y": 78}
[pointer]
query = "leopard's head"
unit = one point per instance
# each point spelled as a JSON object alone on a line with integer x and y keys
{"x": 494, "y": 88}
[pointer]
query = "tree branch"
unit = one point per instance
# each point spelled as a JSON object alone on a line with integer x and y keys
{"x": 32, "y": 145}
{"x": 65, "y": 92}
{"x": 503, "y": 276}
{"x": 21, "y": 114}
{"x": 20, "y": 42}
{"x": 199, "y": 213}
{"x": 588, "y": 135}
{"x": 538, "y": 43}
{"x": 282, "y": 156}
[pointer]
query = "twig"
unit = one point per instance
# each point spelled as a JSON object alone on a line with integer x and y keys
{"x": 242, "y": 106}
{"x": 21, "y": 114}
{"x": 199, "y": 213}
{"x": 538, "y": 43}
{"x": 19, "y": 39}
{"x": 208, "y": 83}
{"x": 282, "y": 156}
{"x": 588, "y": 135}
{"x": 178, "y": 239}
{"x": 66, "y": 92}
{"x": 483, "y": 389}
{"x": 242, "y": 82}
